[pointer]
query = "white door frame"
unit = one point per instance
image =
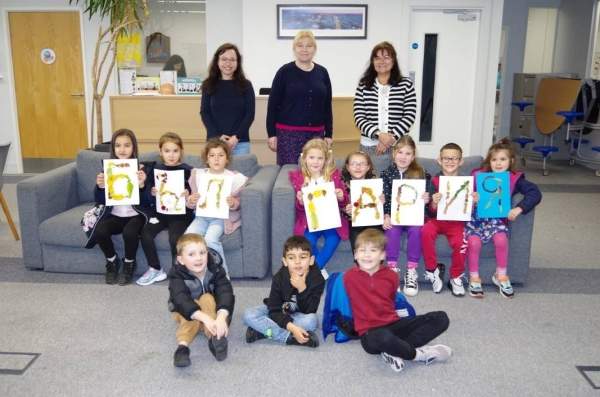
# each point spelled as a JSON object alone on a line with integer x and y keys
{"x": 490, "y": 31}
{"x": 10, "y": 77}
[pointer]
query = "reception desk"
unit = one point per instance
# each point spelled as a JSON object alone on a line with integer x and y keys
{"x": 151, "y": 116}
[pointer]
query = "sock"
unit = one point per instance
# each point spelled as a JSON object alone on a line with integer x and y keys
{"x": 112, "y": 259}
{"x": 392, "y": 264}
{"x": 412, "y": 265}
{"x": 420, "y": 355}
{"x": 501, "y": 245}
{"x": 129, "y": 260}
{"x": 474, "y": 276}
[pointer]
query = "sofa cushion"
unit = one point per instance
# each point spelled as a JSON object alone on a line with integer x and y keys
{"x": 89, "y": 164}
{"x": 65, "y": 228}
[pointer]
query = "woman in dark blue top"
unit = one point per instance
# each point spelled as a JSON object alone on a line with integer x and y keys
{"x": 299, "y": 106}
{"x": 227, "y": 108}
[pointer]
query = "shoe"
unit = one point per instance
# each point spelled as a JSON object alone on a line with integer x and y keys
{"x": 112, "y": 270}
{"x": 253, "y": 335}
{"x": 435, "y": 354}
{"x": 126, "y": 274}
{"x": 313, "y": 340}
{"x": 411, "y": 285}
{"x": 436, "y": 278}
{"x": 504, "y": 286}
{"x": 181, "y": 358}
{"x": 475, "y": 289}
{"x": 152, "y": 276}
{"x": 396, "y": 363}
{"x": 324, "y": 274}
{"x": 218, "y": 347}
{"x": 456, "y": 286}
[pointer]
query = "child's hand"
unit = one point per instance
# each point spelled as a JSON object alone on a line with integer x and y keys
{"x": 210, "y": 325}
{"x": 192, "y": 200}
{"x": 475, "y": 197}
{"x": 425, "y": 197}
{"x": 230, "y": 201}
{"x": 100, "y": 180}
{"x": 221, "y": 328}
{"x": 299, "y": 197}
{"x": 514, "y": 213}
{"x": 153, "y": 191}
{"x": 435, "y": 198}
{"x": 382, "y": 198}
{"x": 298, "y": 282}
{"x": 387, "y": 222}
{"x": 185, "y": 193}
{"x": 339, "y": 194}
{"x": 298, "y": 333}
{"x": 141, "y": 177}
{"x": 348, "y": 209}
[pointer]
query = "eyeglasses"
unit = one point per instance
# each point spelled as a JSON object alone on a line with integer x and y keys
{"x": 357, "y": 164}
{"x": 450, "y": 159}
{"x": 383, "y": 59}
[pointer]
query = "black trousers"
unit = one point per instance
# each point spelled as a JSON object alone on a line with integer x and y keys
{"x": 111, "y": 225}
{"x": 400, "y": 338}
{"x": 176, "y": 224}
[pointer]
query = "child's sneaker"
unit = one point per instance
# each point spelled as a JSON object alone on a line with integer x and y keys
{"x": 411, "y": 285}
{"x": 456, "y": 286}
{"x": 112, "y": 270}
{"x": 218, "y": 347}
{"x": 396, "y": 363}
{"x": 182, "y": 356}
{"x": 152, "y": 276}
{"x": 435, "y": 354}
{"x": 253, "y": 335}
{"x": 324, "y": 274}
{"x": 475, "y": 288}
{"x": 436, "y": 278}
{"x": 504, "y": 286}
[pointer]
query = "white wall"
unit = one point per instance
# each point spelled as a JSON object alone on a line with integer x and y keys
{"x": 573, "y": 36}
{"x": 540, "y": 40}
{"x": 223, "y": 24}
{"x": 8, "y": 117}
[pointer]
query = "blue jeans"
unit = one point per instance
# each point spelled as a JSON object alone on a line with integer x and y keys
{"x": 212, "y": 230}
{"x": 332, "y": 239}
{"x": 258, "y": 319}
{"x": 241, "y": 148}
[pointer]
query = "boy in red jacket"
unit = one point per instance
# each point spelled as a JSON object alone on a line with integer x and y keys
{"x": 371, "y": 289}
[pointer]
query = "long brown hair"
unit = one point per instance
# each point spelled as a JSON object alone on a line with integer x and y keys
{"x": 171, "y": 137}
{"x": 214, "y": 73}
{"x": 414, "y": 171}
{"x": 124, "y": 132}
{"x": 368, "y": 77}
{"x": 502, "y": 144}
{"x": 371, "y": 172}
{"x": 328, "y": 168}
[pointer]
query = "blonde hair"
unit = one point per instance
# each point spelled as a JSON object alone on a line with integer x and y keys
{"x": 328, "y": 168}
{"x": 372, "y": 236}
{"x": 414, "y": 169}
{"x": 173, "y": 138}
{"x": 304, "y": 34}
{"x": 187, "y": 239}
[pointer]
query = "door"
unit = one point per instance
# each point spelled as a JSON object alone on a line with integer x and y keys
{"x": 443, "y": 63}
{"x": 48, "y": 74}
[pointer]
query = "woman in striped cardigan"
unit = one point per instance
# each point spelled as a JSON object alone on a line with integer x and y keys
{"x": 385, "y": 103}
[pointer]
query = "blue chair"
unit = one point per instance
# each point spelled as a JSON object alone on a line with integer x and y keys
{"x": 523, "y": 141}
{"x": 569, "y": 117}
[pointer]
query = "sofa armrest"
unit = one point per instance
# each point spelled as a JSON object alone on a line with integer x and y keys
{"x": 521, "y": 234}
{"x": 282, "y": 215}
{"x": 40, "y": 198}
{"x": 256, "y": 210}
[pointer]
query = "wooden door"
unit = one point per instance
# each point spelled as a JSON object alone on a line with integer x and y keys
{"x": 50, "y": 96}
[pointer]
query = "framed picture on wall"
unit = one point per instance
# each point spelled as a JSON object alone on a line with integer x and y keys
{"x": 158, "y": 48}
{"x": 326, "y": 21}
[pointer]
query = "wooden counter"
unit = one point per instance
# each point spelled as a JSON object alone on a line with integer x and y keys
{"x": 151, "y": 116}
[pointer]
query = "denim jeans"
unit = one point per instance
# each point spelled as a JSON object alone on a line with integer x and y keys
{"x": 241, "y": 148}
{"x": 258, "y": 319}
{"x": 332, "y": 239}
{"x": 212, "y": 230}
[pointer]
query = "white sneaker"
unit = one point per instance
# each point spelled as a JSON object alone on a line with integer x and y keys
{"x": 456, "y": 286}
{"x": 435, "y": 354}
{"x": 436, "y": 278}
{"x": 411, "y": 285}
{"x": 396, "y": 363}
{"x": 151, "y": 276}
{"x": 324, "y": 274}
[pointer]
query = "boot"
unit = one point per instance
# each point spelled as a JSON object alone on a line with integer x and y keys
{"x": 112, "y": 270}
{"x": 126, "y": 274}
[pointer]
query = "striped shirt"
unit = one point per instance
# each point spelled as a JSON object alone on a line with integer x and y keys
{"x": 401, "y": 110}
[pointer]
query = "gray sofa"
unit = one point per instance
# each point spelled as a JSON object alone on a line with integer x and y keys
{"x": 51, "y": 206}
{"x": 282, "y": 224}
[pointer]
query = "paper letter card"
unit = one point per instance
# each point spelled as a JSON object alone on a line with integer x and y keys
{"x": 213, "y": 190}
{"x": 456, "y": 203}
{"x": 408, "y": 206}
{"x": 121, "y": 182}
{"x": 367, "y": 208}
{"x": 494, "y": 194}
{"x": 170, "y": 188}
{"x": 321, "y": 207}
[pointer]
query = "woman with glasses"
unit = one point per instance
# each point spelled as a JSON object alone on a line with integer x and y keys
{"x": 299, "y": 106}
{"x": 227, "y": 107}
{"x": 385, "y": 103}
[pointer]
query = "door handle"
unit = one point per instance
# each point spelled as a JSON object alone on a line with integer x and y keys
{"x": 78, "y": 94}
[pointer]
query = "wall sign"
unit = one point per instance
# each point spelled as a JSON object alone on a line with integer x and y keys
{"x": 48, "y": 56}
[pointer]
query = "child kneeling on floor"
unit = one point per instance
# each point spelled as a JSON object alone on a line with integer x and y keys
{"x": 288, "y": 315}
{"x": 371, "y": 288}
{"x": 200, "y": 297}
